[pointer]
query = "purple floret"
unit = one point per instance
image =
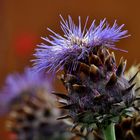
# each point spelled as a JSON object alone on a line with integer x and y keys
{"x": 75, "y": 44}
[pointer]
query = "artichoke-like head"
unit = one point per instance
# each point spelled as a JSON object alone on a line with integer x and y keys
{"x": 98, "y": 92}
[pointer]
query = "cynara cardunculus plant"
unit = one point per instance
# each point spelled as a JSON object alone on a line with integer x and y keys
{"x": 97, "y": 91}
{"x": 32, "y": 111}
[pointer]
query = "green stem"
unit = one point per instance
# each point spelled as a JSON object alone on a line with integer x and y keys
{"x": 109, "y": 132}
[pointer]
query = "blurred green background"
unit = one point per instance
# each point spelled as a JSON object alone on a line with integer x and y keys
{"x": 23, "y": 22}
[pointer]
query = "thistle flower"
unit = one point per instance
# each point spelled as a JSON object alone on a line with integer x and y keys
{"x": 128, "y": 127}
{"x": 75, "y": 44}
{"x": 98, "y": 92}
{"x": 16, "y": 84}
{"x": 32, "y": 113}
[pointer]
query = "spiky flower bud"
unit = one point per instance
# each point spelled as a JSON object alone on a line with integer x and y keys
{"x": 129, "y": 128}
{"x": 31, "y": 109}
{"x": 98, "y": 92}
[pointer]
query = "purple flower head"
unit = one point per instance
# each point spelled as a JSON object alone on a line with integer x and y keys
{"x": 75, "y": 44}
{"x": 18, "y": 84}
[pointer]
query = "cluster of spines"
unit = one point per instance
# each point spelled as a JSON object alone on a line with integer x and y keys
{"x": 100, "y": 64}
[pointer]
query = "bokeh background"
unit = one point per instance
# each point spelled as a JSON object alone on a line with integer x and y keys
{"x": 23, "y": 22}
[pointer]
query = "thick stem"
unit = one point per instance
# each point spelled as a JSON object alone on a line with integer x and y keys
{"x": 109, "y": 132}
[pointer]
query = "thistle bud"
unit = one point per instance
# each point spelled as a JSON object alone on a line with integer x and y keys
{"x": 31, "y": 109}
{"x": 100, "y": 93}
{"x": 97, "y": 91}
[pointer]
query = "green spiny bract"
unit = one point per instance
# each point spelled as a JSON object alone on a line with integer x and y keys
{"x": 98, "y": 92}
{"x": 127, "y": 129}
